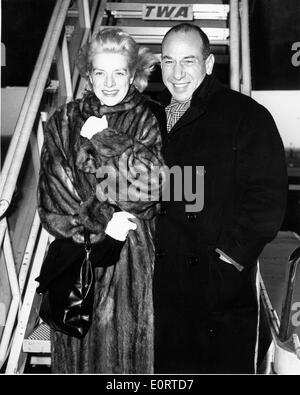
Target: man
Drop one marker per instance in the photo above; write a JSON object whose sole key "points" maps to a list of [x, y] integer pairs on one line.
{"points": [[205, 296]]}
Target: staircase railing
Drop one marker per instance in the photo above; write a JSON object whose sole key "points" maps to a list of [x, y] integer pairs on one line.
{"points": [[15, 156], [286, 326], [246, 85], [29, 129]]}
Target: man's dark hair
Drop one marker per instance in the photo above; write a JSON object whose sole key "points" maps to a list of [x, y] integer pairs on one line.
{"points": [[188, 27]]}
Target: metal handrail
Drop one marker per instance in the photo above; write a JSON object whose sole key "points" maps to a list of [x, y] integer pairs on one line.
{"points": [[19, 152], [86, 22], [15, 302], [272, 316], [28, 300], [287, 302], [29, 250], [100, 15], [26, 103], [245, 48], [234, 46]]}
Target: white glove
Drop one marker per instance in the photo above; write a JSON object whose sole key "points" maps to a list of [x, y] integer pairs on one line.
{"points": [[93, 125], [119, 226]]}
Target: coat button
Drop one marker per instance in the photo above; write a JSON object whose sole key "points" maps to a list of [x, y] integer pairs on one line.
{"points": [[191, 217], [193, 261], [160, 254]]}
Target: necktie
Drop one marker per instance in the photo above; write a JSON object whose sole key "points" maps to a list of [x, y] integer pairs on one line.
{"points": [[174, 112]]}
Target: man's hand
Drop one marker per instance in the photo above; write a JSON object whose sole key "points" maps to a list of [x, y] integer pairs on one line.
{"points": [[228, 260]]}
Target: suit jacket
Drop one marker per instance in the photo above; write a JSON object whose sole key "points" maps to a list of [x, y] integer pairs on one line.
{"points": [[245, 184]]}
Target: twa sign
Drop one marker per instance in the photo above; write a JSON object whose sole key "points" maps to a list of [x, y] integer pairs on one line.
{"points": [[172, 12]]}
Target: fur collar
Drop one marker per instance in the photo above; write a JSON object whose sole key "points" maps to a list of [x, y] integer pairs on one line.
{"points": [[91, 105]]}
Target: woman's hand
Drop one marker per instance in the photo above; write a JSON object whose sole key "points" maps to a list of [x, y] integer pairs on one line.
{"points": [[120, 224], [117, 228]]}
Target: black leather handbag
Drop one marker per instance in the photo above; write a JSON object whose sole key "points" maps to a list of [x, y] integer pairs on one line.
{"points": [[67, 282], [67, 304]]}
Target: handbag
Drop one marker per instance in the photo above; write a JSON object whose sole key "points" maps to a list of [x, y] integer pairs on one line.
{"points": [[67, 282], [67, 302]]}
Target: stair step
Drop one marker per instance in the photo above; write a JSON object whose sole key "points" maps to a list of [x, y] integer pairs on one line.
{"points": [[155, 34], [38, 341], [200, 11], [40, 360]]}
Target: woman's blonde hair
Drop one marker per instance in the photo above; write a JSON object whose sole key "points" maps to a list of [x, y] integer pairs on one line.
{"points": [[141, 60]]}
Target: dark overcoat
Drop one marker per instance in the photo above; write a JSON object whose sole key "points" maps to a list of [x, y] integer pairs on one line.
{"points": [[206, 309]]}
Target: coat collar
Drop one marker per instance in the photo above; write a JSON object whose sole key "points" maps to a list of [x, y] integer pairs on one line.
{"points": [[209, 86]]}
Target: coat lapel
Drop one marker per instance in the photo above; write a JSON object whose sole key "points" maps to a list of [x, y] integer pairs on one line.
{"points": [[189, 116], [199, 103]]}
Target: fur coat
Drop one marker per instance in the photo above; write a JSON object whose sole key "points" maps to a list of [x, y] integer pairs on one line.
{"points": [[120, 339]]}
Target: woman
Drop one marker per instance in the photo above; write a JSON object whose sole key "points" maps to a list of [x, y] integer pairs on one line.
{"points": [[115, 126]]}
